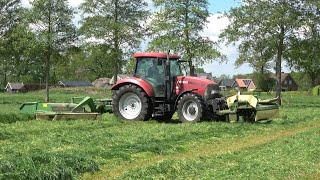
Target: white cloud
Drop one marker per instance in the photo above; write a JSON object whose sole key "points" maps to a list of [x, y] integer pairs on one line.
{"points": [[217, 23]]}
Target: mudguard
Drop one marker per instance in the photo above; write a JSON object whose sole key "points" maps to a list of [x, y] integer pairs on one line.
{"points": [[147, 87]]}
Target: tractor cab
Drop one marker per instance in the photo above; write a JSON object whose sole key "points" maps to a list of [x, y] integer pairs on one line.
{"points": [[158, 69]]}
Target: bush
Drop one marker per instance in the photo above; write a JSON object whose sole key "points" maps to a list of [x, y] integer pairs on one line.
{"points": [[316, 91]]}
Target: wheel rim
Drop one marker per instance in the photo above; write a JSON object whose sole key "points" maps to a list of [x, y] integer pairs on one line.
{"points": [[190, 110], [130, 106]]}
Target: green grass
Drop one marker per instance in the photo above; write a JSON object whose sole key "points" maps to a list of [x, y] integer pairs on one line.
{"points": [[283, 158], [286, 148]]}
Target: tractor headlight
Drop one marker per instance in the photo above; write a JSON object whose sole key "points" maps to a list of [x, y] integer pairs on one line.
{"points": [[215, 92]]}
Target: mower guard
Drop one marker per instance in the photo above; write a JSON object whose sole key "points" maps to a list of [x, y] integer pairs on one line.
{"points": [[251, 108]]}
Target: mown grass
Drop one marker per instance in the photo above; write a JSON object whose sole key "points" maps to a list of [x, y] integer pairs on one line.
{"points": [[110, 148], [290, 157]]}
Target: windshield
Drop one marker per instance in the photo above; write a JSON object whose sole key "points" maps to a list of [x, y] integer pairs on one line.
{"points": [[149, 68], [154, 68]]}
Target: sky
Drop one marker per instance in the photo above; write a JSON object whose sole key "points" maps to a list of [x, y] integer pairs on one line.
{"points": [[214, 27]]}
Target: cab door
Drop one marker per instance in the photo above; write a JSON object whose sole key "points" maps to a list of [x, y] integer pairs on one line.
{"points": [[152, 71]]}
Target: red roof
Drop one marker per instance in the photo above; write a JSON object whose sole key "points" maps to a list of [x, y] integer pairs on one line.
{"points": [[154, 55], [240, 83], [245, 83]]}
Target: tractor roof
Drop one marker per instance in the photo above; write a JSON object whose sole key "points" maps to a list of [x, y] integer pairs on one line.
{"points": [[154, 55]]}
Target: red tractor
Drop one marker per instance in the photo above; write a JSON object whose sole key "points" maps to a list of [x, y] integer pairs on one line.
{"points": [[158, 89]]}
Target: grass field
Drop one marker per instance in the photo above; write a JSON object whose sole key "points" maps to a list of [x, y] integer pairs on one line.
{"points": [[286, 148]]}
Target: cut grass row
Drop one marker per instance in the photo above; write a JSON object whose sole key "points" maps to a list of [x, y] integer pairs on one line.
{"points": [[289, 157], [203, 149]]}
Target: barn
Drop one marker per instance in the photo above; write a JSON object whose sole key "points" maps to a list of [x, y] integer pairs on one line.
{"points": [[15, 87]]}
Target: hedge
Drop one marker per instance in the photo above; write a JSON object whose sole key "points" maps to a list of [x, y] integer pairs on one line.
{"points": [[316, 91]]}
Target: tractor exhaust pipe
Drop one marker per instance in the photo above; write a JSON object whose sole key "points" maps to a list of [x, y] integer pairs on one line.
{"points": [[168, 77]]}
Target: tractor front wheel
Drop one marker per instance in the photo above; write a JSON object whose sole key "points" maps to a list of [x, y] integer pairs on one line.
{"points": [[130, 103], [190, 108]]}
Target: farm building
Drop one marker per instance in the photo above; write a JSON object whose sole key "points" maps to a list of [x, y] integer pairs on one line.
{"points": [[287, 82], [15, 87], [226, 84], [74, 84], [101, 83], [244, 84]]}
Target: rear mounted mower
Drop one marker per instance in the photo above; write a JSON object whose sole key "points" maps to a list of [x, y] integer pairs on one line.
{"points": [[86, 108]]}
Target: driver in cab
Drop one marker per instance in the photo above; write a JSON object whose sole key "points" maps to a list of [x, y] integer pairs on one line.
{"points": [[154, 72]]}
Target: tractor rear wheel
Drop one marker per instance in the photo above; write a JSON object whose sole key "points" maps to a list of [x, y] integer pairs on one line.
{"points": [[131, 103], [190, 108]]}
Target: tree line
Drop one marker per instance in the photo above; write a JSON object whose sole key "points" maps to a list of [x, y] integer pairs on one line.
{"points": [[42, 44]]}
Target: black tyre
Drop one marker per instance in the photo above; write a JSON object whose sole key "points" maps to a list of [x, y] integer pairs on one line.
{"points": [[190, 108], [131, 103]]}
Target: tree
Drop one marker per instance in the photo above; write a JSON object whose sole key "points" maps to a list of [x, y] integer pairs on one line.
{"points": [[200, 70], [9, 17], [22, 55], [177, 26], [263, 82], [96, 60], [117, 24], [52, 21], [257, 55], [72, 65], [270, 23], [130, 66], [303, 81], [304, 51]]}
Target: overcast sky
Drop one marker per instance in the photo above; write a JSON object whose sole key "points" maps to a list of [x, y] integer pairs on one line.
{"points": [[213, 29]]}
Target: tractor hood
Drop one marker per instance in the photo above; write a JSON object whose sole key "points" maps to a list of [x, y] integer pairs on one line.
{"points": [[196, 84], [196, 80]]}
